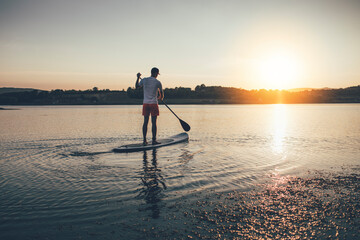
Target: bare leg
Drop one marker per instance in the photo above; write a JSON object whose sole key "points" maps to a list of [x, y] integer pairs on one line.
{"points": [[146, 121], [154, 128]]}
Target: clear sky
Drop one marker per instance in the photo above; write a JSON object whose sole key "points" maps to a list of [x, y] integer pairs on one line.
{"points": [[79, 44]]}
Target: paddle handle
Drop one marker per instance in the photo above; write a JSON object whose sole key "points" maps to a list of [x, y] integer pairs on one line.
{"points": [[170, 109]]}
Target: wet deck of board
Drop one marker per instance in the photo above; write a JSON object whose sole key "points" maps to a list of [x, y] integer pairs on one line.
{"points": [[134, 145]]}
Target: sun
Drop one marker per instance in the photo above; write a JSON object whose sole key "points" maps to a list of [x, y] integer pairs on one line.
{"points": [[278, 70]]}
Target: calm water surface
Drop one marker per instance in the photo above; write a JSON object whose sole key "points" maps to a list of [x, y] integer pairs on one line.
{"points": [[59, 178]]}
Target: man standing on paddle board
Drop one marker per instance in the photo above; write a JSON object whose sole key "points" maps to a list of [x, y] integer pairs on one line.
{"points": [[152, 92]]}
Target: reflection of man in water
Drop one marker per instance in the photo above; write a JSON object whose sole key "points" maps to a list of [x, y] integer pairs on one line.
{"points": [[152, 92], [153, 184]]}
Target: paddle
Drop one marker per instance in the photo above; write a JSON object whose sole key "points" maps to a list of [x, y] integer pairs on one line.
{"points": [[184, 125]]}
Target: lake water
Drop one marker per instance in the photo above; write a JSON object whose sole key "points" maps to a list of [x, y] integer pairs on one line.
{"points": [[59, 178]]}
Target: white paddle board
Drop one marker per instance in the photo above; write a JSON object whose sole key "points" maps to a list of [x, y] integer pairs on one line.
{"points": [[182, 137]]}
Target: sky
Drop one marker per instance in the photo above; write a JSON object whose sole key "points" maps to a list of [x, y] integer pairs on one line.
{"points": [[257, 44]]}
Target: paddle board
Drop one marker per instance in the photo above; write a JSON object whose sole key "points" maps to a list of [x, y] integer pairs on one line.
{"points": [[182, 137]]}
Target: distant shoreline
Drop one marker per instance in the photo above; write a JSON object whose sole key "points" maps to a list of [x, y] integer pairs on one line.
{"points": [[160, 104], [199, 96]]}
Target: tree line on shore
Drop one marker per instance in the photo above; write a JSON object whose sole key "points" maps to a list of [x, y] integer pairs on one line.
{"points": [[179, 95]]}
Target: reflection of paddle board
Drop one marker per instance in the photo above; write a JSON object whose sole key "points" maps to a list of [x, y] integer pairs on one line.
{"points": [[182, 137]]}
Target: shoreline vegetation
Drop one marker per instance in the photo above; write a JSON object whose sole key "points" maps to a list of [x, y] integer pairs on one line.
{"points": [[200, 95]]}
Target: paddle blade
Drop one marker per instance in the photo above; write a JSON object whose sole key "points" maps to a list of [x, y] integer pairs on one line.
{"points": [[185, 126]]}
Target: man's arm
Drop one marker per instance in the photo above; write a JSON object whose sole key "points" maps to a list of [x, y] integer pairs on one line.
{"points": [[137, 85], [161, 93]]}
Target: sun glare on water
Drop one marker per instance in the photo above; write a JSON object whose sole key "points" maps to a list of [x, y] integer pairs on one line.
{"points": [[278, 70]]}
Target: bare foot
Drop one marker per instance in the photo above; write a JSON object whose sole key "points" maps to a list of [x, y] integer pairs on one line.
{"points": [[145, 143], [154, 142]]}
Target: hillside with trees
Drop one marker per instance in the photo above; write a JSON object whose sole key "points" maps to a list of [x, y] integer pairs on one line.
{"points": [[200, 95]]}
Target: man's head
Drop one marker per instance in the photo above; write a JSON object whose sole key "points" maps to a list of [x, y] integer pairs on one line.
{"points": [[154, 72]]}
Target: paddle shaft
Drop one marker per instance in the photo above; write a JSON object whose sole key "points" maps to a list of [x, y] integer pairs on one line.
{"points": [[170, 109], [184, 125]]}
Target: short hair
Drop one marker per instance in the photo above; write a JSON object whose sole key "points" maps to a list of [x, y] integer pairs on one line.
{"points": [[154, 71]]}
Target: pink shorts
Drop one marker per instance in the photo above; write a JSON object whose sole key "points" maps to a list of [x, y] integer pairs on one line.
{"points": [[148, 109]]}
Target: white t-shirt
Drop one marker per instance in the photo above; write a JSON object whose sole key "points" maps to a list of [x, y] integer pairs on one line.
{"points": [[151, 86]]}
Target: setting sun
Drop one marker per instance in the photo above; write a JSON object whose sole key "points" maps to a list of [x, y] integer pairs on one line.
{"points": [[278, 70]]}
